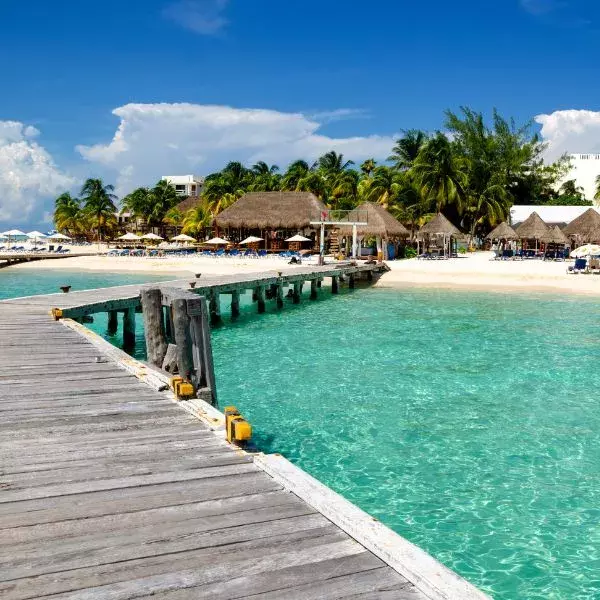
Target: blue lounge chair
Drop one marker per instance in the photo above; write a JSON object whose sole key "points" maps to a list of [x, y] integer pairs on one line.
{"points": [[580, 266]]}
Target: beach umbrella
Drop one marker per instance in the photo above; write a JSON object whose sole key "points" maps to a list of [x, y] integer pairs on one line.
{"points": [[298, 238], [183, 238], [217, 241], [251, 240], [129, 237], [58, 236], [35, 235], [586, 250], [14, 233], [152, 236]]}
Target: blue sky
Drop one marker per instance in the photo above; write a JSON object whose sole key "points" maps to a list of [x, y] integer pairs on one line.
{"points": [[349, 71]]}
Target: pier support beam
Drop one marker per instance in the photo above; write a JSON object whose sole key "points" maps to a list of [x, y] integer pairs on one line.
{"points": [[334, 285], [313, 289], [235, 304], [215, 308], [279, 295], [351, 281], [319, 283], [260, 298], [297, 291], [369, 275], [154, 326], [113, 322], [169, 324], [181, 330], [129, 328]]}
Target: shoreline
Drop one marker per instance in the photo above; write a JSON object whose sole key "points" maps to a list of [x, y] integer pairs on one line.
{"points": [[472, 272]]}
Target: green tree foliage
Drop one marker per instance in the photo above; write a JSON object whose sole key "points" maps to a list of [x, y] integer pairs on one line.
{"points": [[473, 172]]}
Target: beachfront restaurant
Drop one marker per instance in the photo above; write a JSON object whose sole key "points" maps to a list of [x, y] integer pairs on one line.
{"points": [[274, 217]]}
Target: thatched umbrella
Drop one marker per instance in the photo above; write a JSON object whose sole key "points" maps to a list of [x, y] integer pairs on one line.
{"points": [[502, 232], [439, 225], [532, 228], [555, 236], [585, 228], [380, 223]]}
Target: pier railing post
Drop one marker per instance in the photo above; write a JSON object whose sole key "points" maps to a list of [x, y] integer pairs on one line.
{"points": [[154, 327]]}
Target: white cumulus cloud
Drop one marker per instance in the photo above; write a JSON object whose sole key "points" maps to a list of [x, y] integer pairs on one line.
{"points": [[201, 16], [571, 131], [28, 176], [166, 139]]}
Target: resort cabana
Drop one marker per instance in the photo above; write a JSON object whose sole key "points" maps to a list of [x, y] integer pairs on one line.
{"points": [[438, 227], [503, 232], [584, 229], [272, 216], [554, 237], [381, 225], [532, 229]]}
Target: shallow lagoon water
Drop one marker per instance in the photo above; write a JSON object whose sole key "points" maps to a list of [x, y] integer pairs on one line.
{"points": [[467, 422]]}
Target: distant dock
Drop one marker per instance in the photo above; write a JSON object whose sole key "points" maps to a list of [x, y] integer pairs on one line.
{"points": [[109, 488], [8, 259]]}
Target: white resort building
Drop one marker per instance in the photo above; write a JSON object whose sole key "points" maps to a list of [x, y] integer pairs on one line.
{"points": [[185, 185], [584, 170]]}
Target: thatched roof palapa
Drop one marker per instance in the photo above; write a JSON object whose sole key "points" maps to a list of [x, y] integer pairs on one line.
{"points": [[532, 228], [379, 221], [189, 203], [502, 232], [272, 210], [586, 227], [555, 236], [439, 225]]}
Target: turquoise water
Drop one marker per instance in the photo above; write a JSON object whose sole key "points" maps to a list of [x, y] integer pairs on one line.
{"points": [[467, 422], [15, 283]]}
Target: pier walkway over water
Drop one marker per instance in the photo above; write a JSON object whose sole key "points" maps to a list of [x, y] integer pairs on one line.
{"points": [[109, 489]]}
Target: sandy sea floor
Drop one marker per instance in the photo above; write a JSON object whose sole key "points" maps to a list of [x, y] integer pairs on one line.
{"points": [[476, 271]]}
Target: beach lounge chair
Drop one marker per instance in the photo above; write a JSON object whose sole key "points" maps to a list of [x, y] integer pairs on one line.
{"points": [[580, 266], [262, 253]]}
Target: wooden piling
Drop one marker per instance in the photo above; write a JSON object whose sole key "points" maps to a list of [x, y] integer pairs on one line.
{"points": [[334, 285], [215, 307], [181, 330], [260, 298], [351, 281], [169, 324], [297, 291], [313, 289], [235, 304], [209, 369], [279, 295], [113, 322], [129, 328], [154, 325]]}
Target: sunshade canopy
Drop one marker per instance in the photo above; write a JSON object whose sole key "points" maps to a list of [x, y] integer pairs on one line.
{"points": [[35, 235], [152, 236], [129, 237], [298, 238], [59, 236], [13, 232], [586, 250], [217, 241], [182, 237], [252, 239]]}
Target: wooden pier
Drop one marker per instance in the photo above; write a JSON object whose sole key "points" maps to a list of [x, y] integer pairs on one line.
{"points": [[109, 489]]}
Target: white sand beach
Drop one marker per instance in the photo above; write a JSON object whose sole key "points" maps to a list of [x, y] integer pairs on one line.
{"points": [[473, 271]]}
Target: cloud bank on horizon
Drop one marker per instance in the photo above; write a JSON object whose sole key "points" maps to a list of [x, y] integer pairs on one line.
{"points": [[152, 140]]}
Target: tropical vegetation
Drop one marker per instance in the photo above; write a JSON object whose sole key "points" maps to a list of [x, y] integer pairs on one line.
{"points": [[473, 172]]}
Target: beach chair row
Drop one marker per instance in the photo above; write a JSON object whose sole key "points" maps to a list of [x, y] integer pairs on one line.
{"points": [[37, 250], [559, 255]]}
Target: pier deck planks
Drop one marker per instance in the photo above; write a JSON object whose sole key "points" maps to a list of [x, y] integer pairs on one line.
{"points": [[109, 490]]}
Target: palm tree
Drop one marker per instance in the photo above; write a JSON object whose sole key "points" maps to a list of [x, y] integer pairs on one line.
{"points": [[162, 198], [441, 173], [297, 171], [491, 206], [332, 163], [67, 213], [407, 148], [266, 179], [98, 200], [197, 219], [344, 192], [138, 203], [597, 194], [385, 186], [368, 166]]}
